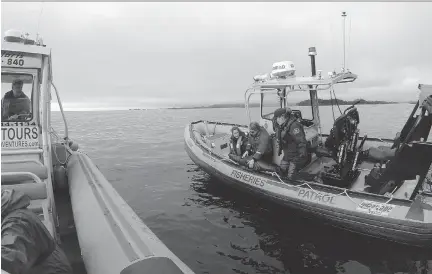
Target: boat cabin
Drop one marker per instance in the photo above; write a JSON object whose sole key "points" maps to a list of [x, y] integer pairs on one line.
{"points": [[278, 87], [336, 158], [25, 124]]}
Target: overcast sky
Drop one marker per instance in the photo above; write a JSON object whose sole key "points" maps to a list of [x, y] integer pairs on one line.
{"points": [[162, 54]]}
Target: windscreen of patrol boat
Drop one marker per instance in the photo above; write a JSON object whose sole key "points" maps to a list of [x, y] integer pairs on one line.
{"points": [[295, 101]]}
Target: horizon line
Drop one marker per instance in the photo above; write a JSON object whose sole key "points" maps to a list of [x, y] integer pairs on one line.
{"points": [[174, 108]]}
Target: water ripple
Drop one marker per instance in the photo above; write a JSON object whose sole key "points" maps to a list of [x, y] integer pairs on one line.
{"points": [[216, 229]]}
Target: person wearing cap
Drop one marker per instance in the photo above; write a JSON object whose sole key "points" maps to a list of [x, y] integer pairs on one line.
{"points": [[292, 140], [259, 149], [26, 244], [15, 102]]}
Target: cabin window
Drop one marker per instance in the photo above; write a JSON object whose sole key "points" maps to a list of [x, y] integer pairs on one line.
{"points": [[300, 101], [17, 94], [269, 103]]}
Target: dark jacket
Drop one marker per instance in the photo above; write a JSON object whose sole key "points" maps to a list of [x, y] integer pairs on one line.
{"points": [[12, 105], [238, 145], [260, 145], [26, 244], [292, 140]]}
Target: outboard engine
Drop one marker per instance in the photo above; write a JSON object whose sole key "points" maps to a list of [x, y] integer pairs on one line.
{"points": [[342, 144]]}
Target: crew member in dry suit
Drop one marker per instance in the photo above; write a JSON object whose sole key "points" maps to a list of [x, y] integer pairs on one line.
{"points": [[238, 141], [258, 154], [292, 140], [26, 244]]}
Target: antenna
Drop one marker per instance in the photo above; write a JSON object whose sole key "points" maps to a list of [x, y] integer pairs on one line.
{"points": [[39, 20], [349, 43], [344, 17]]}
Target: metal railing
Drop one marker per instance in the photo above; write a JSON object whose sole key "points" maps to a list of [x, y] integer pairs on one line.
{"points": [[11, 175]]}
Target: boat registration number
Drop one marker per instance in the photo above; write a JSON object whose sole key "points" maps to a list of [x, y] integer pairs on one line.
{"points": [[21, 60], [374, 208]]}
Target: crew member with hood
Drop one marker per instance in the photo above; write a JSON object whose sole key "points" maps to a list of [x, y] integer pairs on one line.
{"points": [[26, 244], [238, 141], [258, 154], [292, 140]]}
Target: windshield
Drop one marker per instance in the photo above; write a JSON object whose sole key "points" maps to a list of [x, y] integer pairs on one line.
{"points": [[16, 104], [299, 102], [270, 102]]}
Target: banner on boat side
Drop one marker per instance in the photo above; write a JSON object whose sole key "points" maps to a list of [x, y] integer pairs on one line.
{"points": [[20, 60], [375, 208], [19, 137], [248, 178], [311, 195]]}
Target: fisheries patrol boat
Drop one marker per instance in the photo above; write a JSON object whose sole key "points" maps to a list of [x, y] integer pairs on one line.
{"points": [[338, 186], [96, 228]]}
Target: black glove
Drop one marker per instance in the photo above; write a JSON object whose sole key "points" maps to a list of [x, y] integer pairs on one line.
{"points": [[364, 154]]}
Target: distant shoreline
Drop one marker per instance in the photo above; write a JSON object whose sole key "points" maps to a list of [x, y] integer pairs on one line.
{"points": [[234, 105], [322, 102], [329, 102]]}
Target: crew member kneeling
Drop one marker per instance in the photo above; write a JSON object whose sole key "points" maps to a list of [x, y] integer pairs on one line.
{"points": [[258, 154], [292, 140]]}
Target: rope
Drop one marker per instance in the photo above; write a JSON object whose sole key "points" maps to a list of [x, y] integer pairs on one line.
{"points": [[40, 16], [229, 160], [58, 139], [346, 193], [316, 193]]}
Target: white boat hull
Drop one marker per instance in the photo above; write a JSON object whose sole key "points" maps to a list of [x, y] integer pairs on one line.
{"points": [[113, 239]]}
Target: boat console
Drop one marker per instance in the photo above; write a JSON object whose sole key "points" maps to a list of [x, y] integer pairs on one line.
{"points": [[341, 145], [297, 114]]}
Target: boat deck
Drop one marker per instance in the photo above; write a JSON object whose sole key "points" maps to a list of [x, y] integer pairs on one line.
{"points": [[220, 143]]}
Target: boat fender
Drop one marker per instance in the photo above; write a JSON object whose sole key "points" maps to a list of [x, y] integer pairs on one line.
{"points": [[60, 177], [73, 146]]}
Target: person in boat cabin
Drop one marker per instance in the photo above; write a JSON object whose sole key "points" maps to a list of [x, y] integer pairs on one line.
{"points": [[292, 140], [238, 141], [26, 244], [259, 150], [15, 102]]}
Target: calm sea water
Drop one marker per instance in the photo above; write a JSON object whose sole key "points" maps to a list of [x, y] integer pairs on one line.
{"points": [[214, 228]]}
